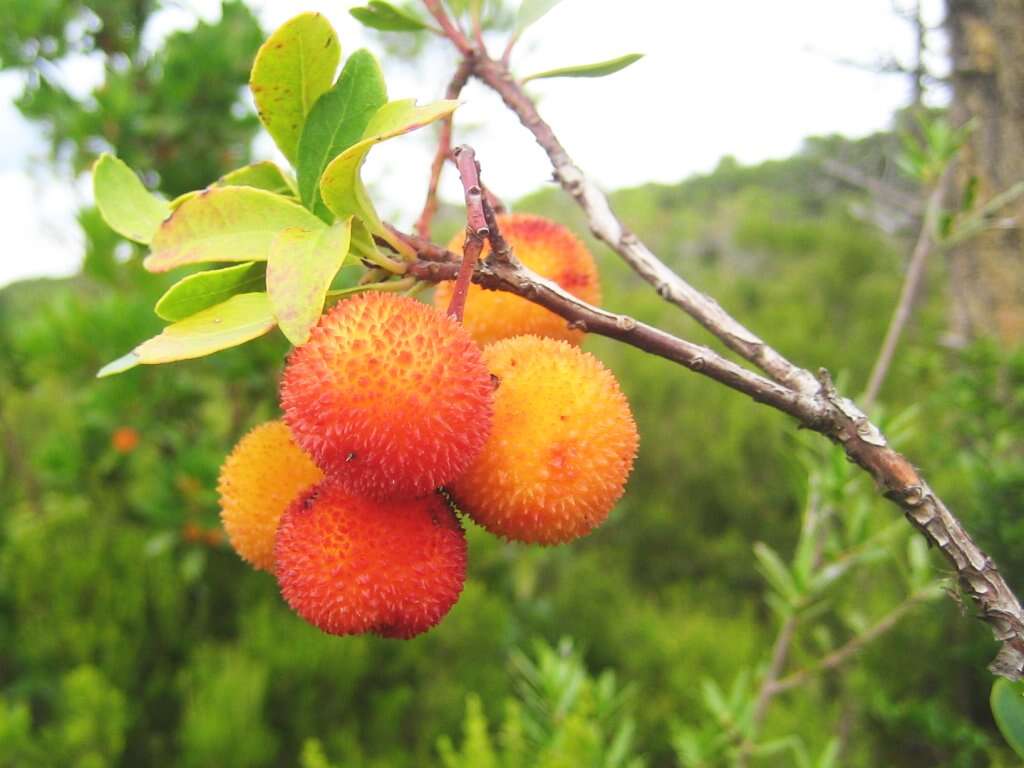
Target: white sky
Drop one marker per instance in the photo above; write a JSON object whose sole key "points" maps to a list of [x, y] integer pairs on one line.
{"points": [[741, 77]]}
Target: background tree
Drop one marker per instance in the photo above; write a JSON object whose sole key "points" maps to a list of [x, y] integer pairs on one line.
{"points": [[129, 635], [987, 47]]}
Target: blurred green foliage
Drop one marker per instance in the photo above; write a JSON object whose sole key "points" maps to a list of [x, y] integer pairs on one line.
{"points": [[130, 635]]}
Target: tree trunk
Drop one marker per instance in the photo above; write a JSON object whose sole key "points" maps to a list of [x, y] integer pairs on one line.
{"points": [[987, 46]]}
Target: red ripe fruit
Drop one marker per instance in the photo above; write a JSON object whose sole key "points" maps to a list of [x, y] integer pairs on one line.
{"points": [[350, 565], [389, 396]]}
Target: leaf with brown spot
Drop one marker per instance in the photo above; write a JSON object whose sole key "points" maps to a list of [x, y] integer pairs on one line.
{"points": [[292, 69], [301, 265]]}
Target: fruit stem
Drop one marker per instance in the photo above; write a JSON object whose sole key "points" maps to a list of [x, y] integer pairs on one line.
{"points": [[476, 227]]}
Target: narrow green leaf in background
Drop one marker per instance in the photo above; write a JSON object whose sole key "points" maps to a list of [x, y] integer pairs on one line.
{"points": [[300, 269], [264, 175], [124, 202], [338, 120], [207, 289], [1008, 708], [340, 185], [387, 17], [531, 11], [597, 69], [239, 319], [292, 68], [225, 224]]}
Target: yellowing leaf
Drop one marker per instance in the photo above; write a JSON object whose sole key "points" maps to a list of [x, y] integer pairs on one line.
{"points": [[124, 203], [207, 289], [597, 69], [340, 185], [300, 269], [263, 175], [236, 321], [225, 224], [531, 11], [292, 68], [377, 14]]}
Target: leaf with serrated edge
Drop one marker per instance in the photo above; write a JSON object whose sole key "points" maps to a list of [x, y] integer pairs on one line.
{"points": [[292, 68], [124, 202], [225, 224], [597, 69], [263, 175], [241, 318], [340, 186], [338, 120], [531, 11], [386, 17], [300, 269], [207, 289]]}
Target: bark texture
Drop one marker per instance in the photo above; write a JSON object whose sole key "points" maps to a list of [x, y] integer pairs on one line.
{"points": [[987, 46]]}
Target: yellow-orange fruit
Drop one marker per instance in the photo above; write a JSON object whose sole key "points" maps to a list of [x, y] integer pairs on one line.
{"points": [[550, 250], [561, 447], [264, 472], [389, 396], [348, 564]]}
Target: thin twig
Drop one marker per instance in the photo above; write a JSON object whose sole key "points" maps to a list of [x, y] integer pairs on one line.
{"points": [[450, 29], [606, 227], [825, 411], [911, 288], [476, 228], [793, 389], [851, 647], [444, 148], [780, 651]]}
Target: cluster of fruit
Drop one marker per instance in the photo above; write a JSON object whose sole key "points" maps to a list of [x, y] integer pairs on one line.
{"points": [[391, 401]]}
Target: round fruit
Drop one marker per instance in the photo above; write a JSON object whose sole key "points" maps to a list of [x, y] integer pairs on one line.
{"points": [[389, 396], [561, 446], [258, 480], [349, 565], [550, 250]]}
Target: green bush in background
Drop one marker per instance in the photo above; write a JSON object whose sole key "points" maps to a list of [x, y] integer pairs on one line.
{"points": [[129, 634]]}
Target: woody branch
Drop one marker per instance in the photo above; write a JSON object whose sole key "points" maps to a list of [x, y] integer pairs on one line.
{"points": [[812, 400]]}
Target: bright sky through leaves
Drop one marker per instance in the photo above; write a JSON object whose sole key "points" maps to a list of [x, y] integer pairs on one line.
{"points": [[734, 77]]}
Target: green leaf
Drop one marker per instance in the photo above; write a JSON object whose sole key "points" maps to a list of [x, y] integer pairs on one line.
{"points": [[225, 224], [377, 14], [236, 321], [363, 244], [207, 289], [531, 11], [265, 175], [338, 120], [300, 269], [597, 69], [776, 572], [1007, 702], [124, 202], [340, 185], [292, 68]]}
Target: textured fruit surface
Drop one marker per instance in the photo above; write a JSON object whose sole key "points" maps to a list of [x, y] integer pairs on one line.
{"points": [[550, 250], [348, 564], [264, 473], [388, 395], [561, 447]]}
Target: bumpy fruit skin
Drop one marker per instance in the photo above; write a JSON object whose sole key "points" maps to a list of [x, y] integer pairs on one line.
{"points": [[561, 447], [263, 474], [550, 250], [349, 565], [389, 396]]}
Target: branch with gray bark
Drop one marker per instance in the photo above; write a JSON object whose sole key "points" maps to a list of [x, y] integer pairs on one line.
{"points": [[810, 399]]}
